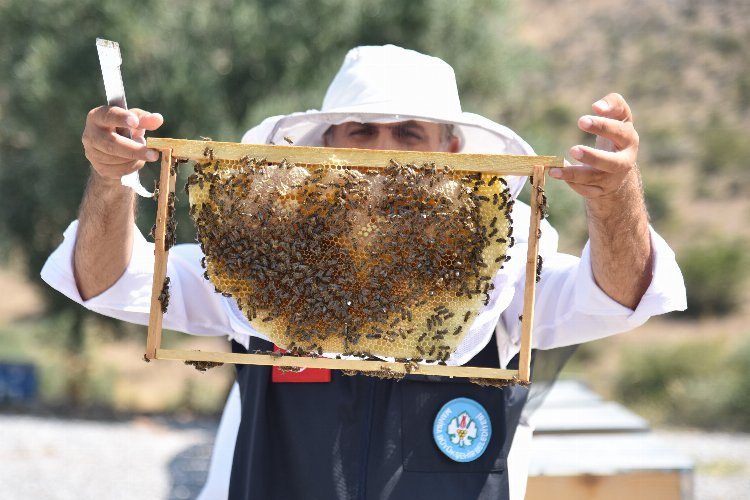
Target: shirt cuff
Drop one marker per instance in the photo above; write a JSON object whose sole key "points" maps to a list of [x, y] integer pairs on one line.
{"points": [[58, 272], [665, 293]]}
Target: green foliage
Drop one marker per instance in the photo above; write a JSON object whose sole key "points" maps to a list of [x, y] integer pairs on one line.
{"points": [[657, 195], [714, 276], [701, 384], [723, 149], [211, 68], [737, 377], [650, 375], [662, 146]]}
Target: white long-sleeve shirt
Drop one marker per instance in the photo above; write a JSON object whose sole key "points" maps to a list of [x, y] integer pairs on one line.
{"points": [[570, 307]]}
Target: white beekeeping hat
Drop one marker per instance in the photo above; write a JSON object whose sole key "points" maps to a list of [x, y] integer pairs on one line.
{"points": [[391, 84]]}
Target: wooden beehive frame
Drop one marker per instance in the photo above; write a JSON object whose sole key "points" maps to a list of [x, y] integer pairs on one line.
{"points": [[173, 150]]}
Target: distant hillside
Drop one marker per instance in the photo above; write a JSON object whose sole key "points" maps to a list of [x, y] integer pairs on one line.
{"points": [[683, 65]]}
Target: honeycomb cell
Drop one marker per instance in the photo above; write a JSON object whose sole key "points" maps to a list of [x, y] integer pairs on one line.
{"points": [[393, 262]]}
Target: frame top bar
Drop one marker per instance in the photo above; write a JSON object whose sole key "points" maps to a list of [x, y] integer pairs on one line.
{"points": [[367, 158]]}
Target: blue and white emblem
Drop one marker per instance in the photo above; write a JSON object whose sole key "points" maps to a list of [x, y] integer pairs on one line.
{"points": [[462, 429]]}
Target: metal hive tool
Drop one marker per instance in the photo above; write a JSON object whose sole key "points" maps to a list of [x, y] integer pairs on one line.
{"points": [[366, 254]]}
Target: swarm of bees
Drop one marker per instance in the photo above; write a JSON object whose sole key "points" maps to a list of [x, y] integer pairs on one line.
{"points": [[340, 259], [164, 295], [202, 366], [383, 372], [498, 383]]}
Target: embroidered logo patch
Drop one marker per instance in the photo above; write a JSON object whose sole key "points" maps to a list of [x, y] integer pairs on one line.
{"points": [[462, 429]]}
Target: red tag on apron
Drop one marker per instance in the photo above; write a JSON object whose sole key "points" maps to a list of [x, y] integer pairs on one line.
{"points": [[304, 375]]}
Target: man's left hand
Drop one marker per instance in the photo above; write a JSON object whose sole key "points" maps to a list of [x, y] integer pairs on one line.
{"points": [[608, 166], [609, 180]]}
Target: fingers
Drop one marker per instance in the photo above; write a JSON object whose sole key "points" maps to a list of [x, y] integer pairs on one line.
{"points": [[605, 166], [121, 148], [606, 161], [102, 165], [111, 154], [621, 134], [579, 174], [112, 117], [587, 191], [613, 106], [147, 120], [588, 181]]}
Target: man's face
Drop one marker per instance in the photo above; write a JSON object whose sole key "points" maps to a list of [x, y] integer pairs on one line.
{"points": [[411, 135]]}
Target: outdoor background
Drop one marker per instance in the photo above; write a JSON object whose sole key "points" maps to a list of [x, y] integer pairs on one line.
{"points": [[217, 68]]}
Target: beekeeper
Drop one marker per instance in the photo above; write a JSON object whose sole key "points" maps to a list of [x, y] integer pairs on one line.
{"points": [[327, 435]]}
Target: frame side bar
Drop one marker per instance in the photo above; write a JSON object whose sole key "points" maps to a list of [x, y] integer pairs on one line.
{"points": [[166, 186], [537, 192]]}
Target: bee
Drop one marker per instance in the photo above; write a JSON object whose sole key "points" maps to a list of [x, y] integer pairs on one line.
{"points": [[205, 138], [289, 140], [164, 295], [466, 316], [539, 262]]}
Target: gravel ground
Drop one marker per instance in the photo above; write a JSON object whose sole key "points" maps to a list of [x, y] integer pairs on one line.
{"points": [[150, 458], [46, 458], [722, 462]]}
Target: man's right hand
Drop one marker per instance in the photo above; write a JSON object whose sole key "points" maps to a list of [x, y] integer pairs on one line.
{"points": [[112, 155], [107, 216]]}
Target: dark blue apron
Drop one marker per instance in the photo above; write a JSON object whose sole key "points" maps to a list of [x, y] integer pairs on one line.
{"points": [[360, 437]]}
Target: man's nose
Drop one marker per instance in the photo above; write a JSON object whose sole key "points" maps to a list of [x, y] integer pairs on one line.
{"points": [[386, 140]]}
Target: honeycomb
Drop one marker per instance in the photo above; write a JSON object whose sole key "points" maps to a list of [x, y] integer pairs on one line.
{"points": [[389, 262]]}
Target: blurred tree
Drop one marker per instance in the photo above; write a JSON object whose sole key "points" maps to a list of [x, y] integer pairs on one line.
{"points": [[211, 68], [715, 275]]}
